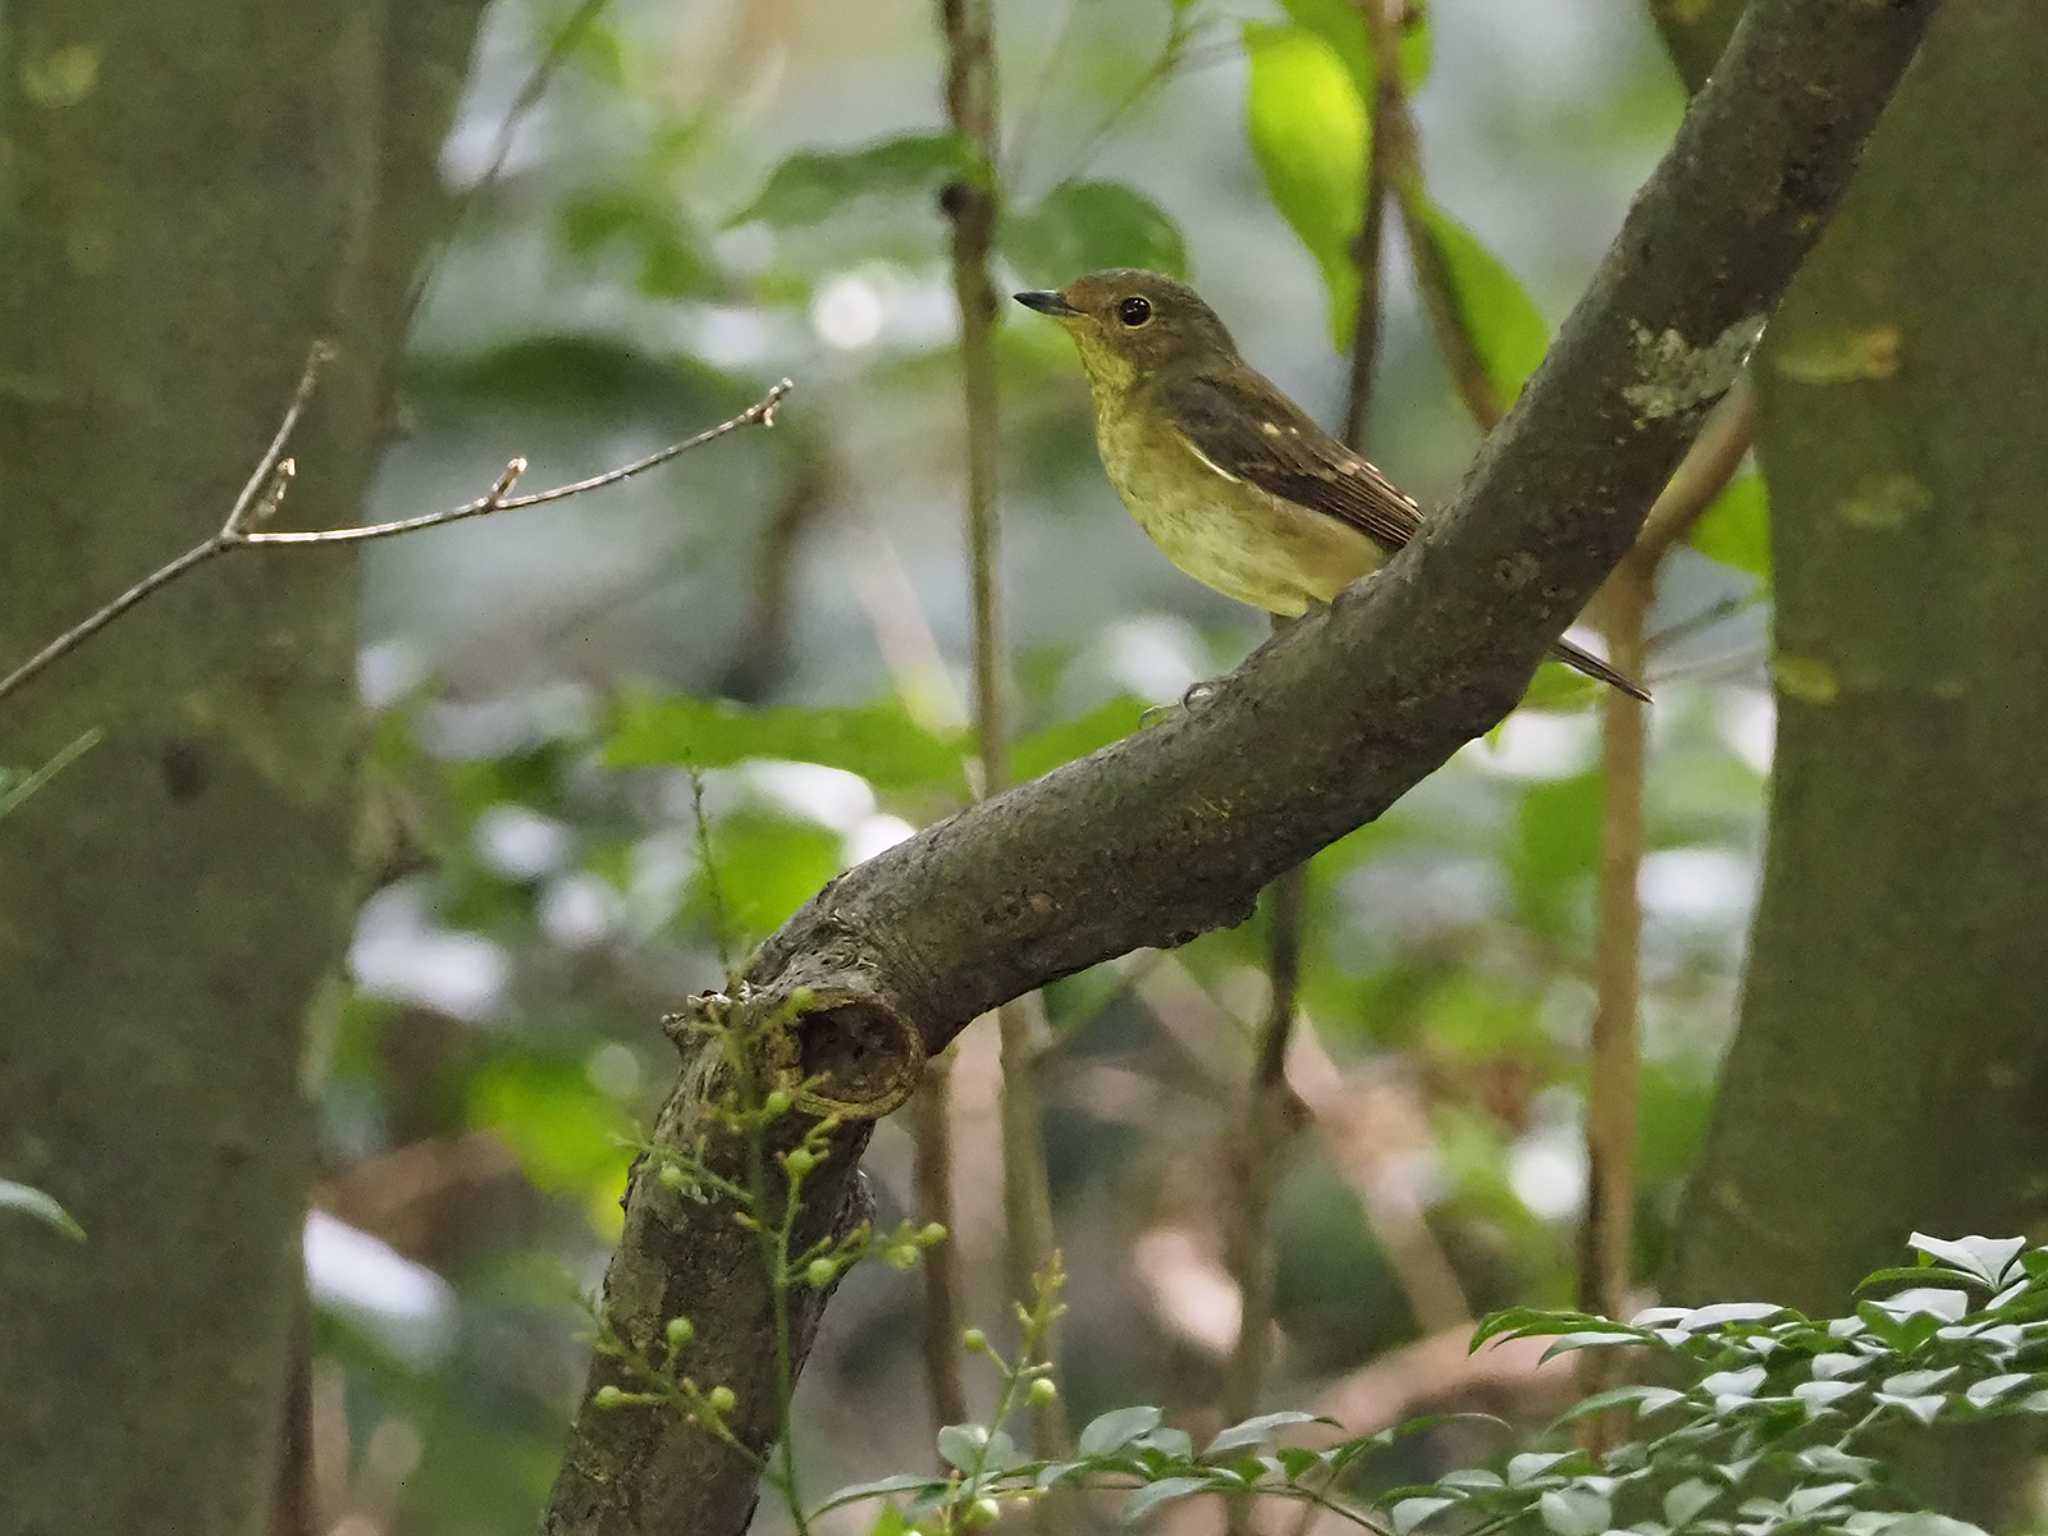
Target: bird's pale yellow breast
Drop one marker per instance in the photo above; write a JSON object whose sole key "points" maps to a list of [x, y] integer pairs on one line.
{"points": [[1223, 531]]}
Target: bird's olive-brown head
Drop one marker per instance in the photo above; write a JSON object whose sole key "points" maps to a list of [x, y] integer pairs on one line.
{"points": [[1129, 324]]}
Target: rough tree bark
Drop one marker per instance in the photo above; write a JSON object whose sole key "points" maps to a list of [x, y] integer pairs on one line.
{"points": [[197, 189], [1891, 1068], [1175, 830]]}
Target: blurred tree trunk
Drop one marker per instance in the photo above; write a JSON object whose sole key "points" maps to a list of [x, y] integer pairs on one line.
{"points": [[1891, 1069], [193, 191]]}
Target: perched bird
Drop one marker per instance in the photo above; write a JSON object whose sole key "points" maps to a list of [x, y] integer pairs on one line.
{"points": [[1230, 478]]}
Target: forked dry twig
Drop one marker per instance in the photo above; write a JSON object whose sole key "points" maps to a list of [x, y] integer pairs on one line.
{"points": [[273, 475]]}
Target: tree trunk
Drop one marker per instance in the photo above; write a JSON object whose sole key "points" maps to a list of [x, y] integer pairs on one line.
{"points": [[1891, 1069], [195, 191]]}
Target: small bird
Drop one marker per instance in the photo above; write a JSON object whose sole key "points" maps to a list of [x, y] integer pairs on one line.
{"points": [[1231, 479]]}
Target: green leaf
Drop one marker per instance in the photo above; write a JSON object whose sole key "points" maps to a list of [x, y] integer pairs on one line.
{"points": [[1743, 1383], [1259, 1430], [1472, 1480], [1988, 1260], [962, 1445], [1083, 226], [1168, 1445], [811, 186], [1736, 527], [1530, 1465], [1982, 1394], [1409, 1513], [30, 1201], [1148, 1498], [1722, 1313], [1310, 134], [1042, 751], [1116, 1429], [1298, 1461], [1341, 24], [1829, 1459], [881, 742], [672, 262], [1929, 1524], [1504, 323], [1920, 1383], [1687, 1499], [1802, 1502], [1642, 1399], [881, 1487], [563, 1130], [1925, 1409], [766, 867], [1575, 1511], [1559, 688]]}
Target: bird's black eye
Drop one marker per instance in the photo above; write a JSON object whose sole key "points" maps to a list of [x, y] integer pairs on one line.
{"points": [[1134, 311]]}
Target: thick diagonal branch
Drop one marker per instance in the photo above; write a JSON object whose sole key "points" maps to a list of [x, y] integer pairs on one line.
{"points": [[1173, 831]]}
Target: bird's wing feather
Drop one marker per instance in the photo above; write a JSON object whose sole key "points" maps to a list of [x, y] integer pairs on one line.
{"points": [[1243, 426]]}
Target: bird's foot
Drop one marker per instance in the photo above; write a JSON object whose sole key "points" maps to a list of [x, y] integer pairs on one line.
{"points": [[1197, 695]]}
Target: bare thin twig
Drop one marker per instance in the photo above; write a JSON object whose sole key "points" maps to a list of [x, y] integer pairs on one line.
{"points": [[1272, 1112], [1607, 1243], [266, 487], [566, 37]]}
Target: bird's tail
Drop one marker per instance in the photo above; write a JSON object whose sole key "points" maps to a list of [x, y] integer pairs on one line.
{"points": [[1586, 662]]}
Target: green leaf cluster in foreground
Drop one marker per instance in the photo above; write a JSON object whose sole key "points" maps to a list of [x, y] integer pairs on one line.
{"points": [[1762, 1420]]}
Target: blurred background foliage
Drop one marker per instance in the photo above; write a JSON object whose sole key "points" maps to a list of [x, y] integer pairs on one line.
{"points": [[667, 207]]}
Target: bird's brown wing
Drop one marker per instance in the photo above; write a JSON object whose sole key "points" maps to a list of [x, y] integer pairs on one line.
{"points": [[1240, 422]]}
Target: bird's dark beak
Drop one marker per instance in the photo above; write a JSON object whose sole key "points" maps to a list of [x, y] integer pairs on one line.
{"points": [[1046, 301]]}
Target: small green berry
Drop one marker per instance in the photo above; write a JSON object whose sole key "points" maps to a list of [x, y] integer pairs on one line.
{"points": [[932, 1233], [1043, 1391], [722, 1399], [974, 1341], [820, 1273], [680, 1332], [900, 1256], [777, 1103], [800, 1162], [983, 1512], [673, 1178], [609, 1397]]}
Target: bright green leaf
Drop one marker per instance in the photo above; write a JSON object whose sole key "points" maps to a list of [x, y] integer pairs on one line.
{"points": [[881, 742], [1506, 327], [1736, 527], [813, 185], [1341, 24], [765, 867], [1083, 226], [562, 1128], [30, 1201], [1309, 131]]}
